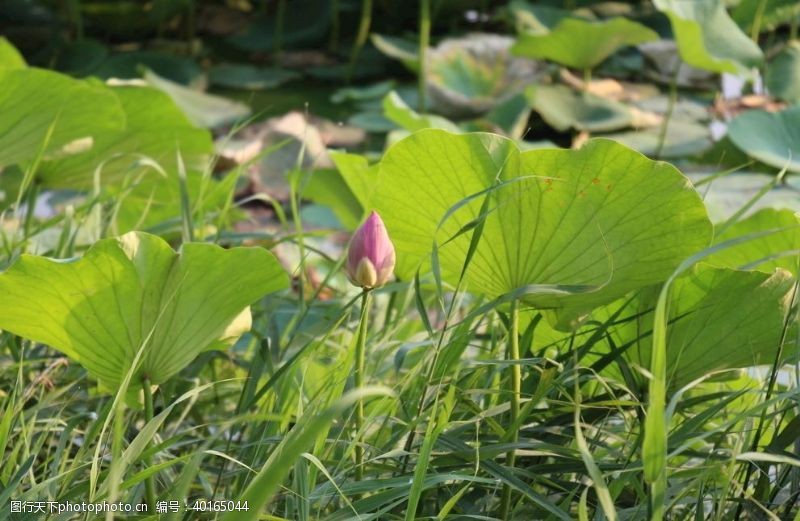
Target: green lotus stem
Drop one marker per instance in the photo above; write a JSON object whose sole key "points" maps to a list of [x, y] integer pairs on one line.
{"points": [[424, 42], [280, 18], [516, 388], [149, 484], [673, 98], [361, 36], [333, 43], [755, 29], [361, 341]]}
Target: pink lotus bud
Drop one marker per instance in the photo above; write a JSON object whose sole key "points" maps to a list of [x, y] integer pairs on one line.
{"points": [[370, 260]]}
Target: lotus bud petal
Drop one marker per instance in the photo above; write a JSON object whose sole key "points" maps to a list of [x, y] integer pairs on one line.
{"points": [[371, 257]]}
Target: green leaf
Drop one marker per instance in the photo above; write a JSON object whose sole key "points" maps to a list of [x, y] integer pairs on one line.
{"points": [[469, 76], [563, 108], [708, 38], [328, 188], [770, 137], [719, 318], [135, 291], [767, 252], [683, 138], [358, 174], [769, 13], [10, 58], [398, 48], [240, 76], [396, 110], [204, 110], [128, 65], [583, 44], [154, 202], [539, 19], [602, 217], [783, 74], [155, 129], [43, 111]]}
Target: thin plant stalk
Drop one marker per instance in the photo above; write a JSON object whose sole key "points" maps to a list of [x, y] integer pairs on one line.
{"points": [[361, 341], [280, 20], [424, 43], [516, 388], [333, 43], [755, 29], [361, 36], [673, 98], [149, 483]]}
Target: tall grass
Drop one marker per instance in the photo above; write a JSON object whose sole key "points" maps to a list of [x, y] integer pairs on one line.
{"points": [[568, 428]]}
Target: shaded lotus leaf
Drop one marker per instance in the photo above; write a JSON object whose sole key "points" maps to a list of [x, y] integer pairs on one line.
{"points": [[10, 57], [371, 121], [783, 74], [511, 116], [135, 293], [727, 195], [305, 25], [81, 57], [767, 252], [662, 59], [368, 93], [469, 76], [683, 138], [241, 76], [603, 217], [406, 51], [708, 38], [540, 19], [770, 137], [326, 187], [155, 128], [583, 44], [202, 109], [396, 111], [563, 108], [179, 69], [45, 111], [719, 319], [769, 13]]}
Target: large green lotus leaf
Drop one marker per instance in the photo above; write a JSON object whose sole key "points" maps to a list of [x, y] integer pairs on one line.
{"points": [[718, 319], [10, 58], [603, 216], [770, 137], [764, 253], [582, 44], [562, 108], [155, 128], [783, 73], [135, 290], [708, 38], [35, 103]]}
